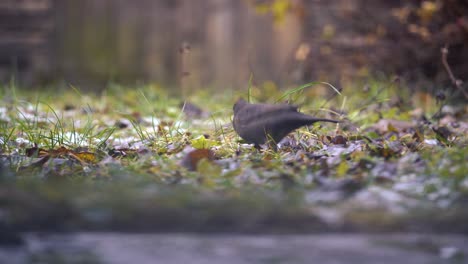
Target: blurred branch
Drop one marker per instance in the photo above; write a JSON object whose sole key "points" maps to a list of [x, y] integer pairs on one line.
{"points": [[456, 82]]}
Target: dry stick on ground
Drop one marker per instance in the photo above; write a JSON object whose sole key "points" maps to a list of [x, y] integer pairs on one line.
{"points": [[456, 82]]}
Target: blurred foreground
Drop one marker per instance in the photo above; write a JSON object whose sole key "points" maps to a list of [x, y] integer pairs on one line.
{"points": [[115, 248]]}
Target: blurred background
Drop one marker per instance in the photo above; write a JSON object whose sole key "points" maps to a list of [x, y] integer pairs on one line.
{"points": [[189, 44]]}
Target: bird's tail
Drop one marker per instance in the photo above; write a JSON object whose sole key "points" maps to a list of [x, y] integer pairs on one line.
{"points": [[313, 120]]}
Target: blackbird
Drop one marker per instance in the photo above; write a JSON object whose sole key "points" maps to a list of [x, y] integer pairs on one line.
{"points": [[262, 123]]}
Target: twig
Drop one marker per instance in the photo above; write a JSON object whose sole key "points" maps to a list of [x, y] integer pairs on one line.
{"points": [[184, 51], [456, 82]]}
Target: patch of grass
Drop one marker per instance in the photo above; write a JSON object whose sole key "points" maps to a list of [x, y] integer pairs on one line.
{"points": [[138, 141]]}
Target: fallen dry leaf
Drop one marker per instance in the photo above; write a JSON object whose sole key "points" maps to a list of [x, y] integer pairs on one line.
{"points": [[191, 159]]}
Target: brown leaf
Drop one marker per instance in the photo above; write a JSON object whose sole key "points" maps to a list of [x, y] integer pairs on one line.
{"points": [[339, 140], [191, 160], [40, 152], [61, 151], [418, 136]]}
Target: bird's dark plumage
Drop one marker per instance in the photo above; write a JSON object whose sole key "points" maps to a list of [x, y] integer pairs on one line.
{"points": [[260, 123]]}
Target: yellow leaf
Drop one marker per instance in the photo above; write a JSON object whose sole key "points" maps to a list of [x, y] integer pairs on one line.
{"points": [[427, 10], [208, 168], [328, 31], [342, 169], [86, 156], [391, 128], [203, 143], [209, 172], [279, 10]]}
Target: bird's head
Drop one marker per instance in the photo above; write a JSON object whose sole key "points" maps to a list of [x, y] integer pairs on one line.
{"points": [[239, 104]]}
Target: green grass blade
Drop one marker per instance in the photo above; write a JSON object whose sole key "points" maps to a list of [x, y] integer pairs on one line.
{"points": [[302, 87], [249, 88]]}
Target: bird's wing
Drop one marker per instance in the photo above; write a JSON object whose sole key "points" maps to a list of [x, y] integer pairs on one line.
{"points": [[258, 112]]}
